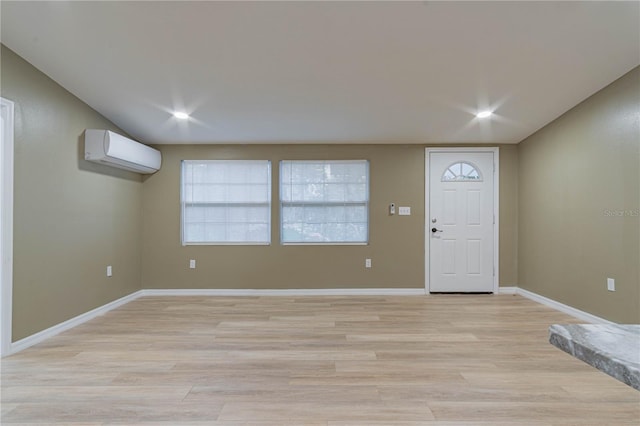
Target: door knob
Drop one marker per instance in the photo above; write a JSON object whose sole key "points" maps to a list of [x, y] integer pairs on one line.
{"points": [[434, 230]]}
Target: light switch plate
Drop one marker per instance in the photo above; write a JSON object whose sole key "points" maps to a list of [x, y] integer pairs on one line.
{"points": [[404, 211], [109, 271], [192, 263], [611, 284]]}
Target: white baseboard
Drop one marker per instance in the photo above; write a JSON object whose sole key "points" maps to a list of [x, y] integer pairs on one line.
{"points": [[577, 313], [287, 292], [29, 341], [34, 339], [73, 322]]}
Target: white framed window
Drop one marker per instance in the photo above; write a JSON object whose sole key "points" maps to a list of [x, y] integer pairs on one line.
{"points": [[324, 202], [226, 202]]}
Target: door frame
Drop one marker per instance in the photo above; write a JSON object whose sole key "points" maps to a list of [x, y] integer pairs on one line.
{"points": [[496, 209], [6, 222]]}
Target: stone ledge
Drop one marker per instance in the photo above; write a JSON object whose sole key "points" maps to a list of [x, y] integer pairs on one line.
{"points": [[611, 348]]}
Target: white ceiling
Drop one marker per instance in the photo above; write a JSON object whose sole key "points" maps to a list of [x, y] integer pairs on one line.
{"points": [[328, 72]]}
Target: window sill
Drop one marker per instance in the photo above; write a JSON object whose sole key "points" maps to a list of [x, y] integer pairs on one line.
{"points": [[324, 244], [225, 244]]}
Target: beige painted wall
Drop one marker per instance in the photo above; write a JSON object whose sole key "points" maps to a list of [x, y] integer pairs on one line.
{"points": [[568, 215], [509, 215], [578, 205], [71, 218], [396, 242]]}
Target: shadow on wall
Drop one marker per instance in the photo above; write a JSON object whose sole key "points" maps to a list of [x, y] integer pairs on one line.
{"points": [[90, 166]]}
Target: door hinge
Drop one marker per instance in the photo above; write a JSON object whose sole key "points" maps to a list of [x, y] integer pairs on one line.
{"points": [[494, 218]]}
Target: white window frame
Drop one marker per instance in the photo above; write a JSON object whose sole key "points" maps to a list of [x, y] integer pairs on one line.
{"points": [[327, 243], [225, 243]]}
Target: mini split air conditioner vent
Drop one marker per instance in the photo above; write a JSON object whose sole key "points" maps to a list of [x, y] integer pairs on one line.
{"points": [[112, 149]]}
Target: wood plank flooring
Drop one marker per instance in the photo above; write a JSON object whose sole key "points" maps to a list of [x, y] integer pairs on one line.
{"points": [[327, 361]]}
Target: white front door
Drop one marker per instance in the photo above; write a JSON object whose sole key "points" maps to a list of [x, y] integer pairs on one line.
{"points": [[461, 220]]}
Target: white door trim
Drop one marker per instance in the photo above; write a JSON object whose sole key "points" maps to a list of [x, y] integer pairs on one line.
{"points": [[496, 209], [6, 219]]}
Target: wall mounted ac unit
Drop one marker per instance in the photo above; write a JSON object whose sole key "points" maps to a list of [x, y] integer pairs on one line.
{"points": [[112, 149]]}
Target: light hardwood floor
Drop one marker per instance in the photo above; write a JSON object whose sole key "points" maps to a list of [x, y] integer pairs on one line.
{"points": [[331, 361]]}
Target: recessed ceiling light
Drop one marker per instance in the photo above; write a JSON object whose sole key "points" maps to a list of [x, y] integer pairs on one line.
{"points": [[484, 114], [181, 115]]}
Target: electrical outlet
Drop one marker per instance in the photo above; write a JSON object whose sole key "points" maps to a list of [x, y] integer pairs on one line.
{"points": [[109, 271], [611, 284], [367, 263], [192, 263]]}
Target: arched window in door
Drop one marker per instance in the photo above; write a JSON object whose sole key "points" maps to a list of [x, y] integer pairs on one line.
{"points": [[461, 171]]}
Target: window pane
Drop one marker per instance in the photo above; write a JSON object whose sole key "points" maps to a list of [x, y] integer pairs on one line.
{"points": [[324, 201], [226, 202], [335, 192], [461, 172]]}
